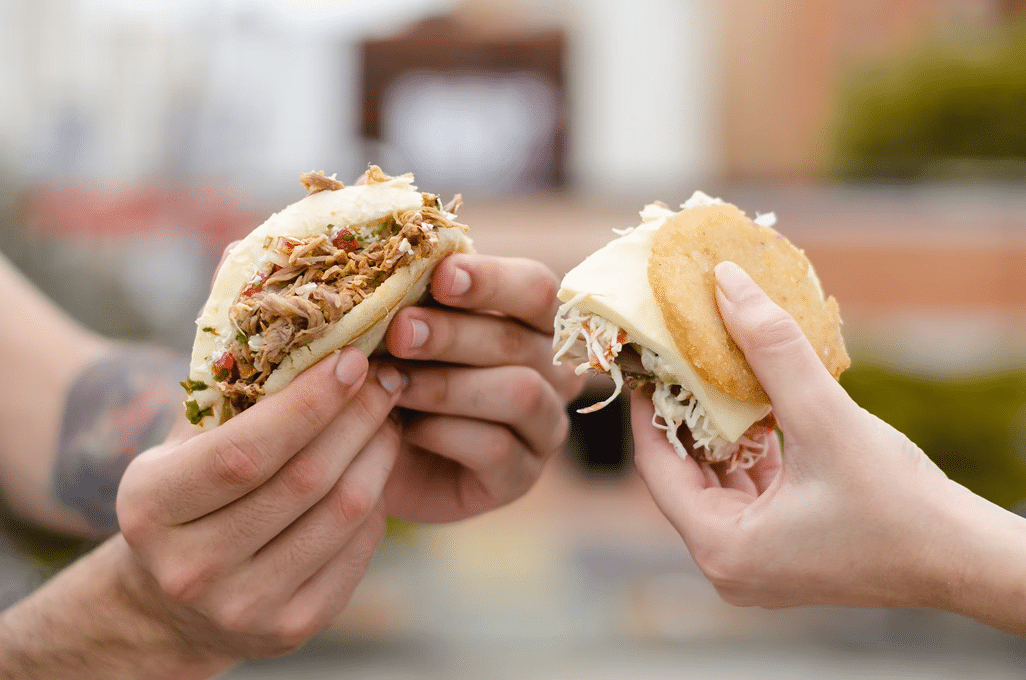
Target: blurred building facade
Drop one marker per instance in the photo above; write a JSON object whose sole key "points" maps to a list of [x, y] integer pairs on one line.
{"points": [[250, 91], [786, 61], [659, 92], [111, 103], [171, 126]]}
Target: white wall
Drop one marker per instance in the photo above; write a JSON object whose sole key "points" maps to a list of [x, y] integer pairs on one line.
{"points": [[646, 92], [249, 91]]}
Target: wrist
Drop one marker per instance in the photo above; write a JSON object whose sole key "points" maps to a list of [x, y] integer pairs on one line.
{"points": [[936, 556], [912, 531], [977, 564], [99, 618], [138, 593]]}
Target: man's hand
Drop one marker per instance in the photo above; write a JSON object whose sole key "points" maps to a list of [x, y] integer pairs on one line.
{"points": [[251, 537], [486, 407], [847, 515]]}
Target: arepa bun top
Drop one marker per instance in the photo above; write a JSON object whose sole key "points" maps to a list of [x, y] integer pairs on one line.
{"points": [[680, 271], [363, 326]]}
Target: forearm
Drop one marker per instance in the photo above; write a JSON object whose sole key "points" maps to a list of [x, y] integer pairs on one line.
{"points": [[97, 619], [41, 355], [63, 471], [75, 409]]}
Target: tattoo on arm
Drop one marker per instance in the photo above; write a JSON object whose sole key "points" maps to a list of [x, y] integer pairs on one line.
{"points": [[118, 407]]}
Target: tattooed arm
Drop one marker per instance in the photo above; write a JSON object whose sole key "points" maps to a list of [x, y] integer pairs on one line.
{"points": [[238, 542], [119, 405], [74, 410]]}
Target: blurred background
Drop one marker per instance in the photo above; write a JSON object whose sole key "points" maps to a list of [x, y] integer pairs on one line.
{"points": [[138, 137]]}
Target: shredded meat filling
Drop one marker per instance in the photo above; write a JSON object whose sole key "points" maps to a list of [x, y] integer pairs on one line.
{"points": [[314, 287], [317, 181]]}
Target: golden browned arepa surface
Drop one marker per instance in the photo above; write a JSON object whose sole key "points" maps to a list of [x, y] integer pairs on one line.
{"points": [[680, 270]]}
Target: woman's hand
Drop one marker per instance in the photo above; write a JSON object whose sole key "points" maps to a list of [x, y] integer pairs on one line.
{"points": [[845, 514]]}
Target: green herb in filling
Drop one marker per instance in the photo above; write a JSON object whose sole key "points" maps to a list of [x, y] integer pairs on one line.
{"points": [[194, 385], [194, 414]]}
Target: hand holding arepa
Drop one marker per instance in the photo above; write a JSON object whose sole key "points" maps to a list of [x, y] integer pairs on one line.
{"points": [[841, 515], [250, 535], [359, 266], [485, 407], [249, 538], [721, 328]]}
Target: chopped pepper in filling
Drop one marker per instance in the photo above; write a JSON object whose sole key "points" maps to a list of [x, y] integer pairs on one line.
{"points": [[309, 284], [593, 343]]}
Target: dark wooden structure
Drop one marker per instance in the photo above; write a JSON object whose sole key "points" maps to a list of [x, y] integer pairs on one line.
{"points": [[450, 47]]}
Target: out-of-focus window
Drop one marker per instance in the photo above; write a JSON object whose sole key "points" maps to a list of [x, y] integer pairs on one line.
{"points": [[467, 109]]}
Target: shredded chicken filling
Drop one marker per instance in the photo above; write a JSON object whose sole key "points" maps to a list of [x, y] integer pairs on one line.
{"points": [[309, 284], [593, 343]]}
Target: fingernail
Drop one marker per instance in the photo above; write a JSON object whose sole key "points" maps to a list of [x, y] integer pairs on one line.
{"points": [[350, 367], [420, 332], [460, 282], [731, 279], [392, 379]]}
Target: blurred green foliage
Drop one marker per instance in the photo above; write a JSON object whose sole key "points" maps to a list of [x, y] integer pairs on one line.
{"points": [[943, 111], [974, 428]]}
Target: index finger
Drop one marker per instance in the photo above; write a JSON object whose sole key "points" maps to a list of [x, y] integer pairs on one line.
{"points": [[217, 467], [518, 287]]}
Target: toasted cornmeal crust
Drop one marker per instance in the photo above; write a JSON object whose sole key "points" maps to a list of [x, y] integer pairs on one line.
{"points": [[680, 270]]}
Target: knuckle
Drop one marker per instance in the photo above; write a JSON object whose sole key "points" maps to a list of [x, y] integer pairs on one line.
{"points": [[375, 527], [497, 446], [393, 432], [568, 383], [351, 504], [435, 390], [365, 413], [303, 477], [528, 392], [774, 329], [239, 615], [138, 509], [561, 430], [371, 405], [444, 334], [310, 410], [389, 441], [733, 595], [545, 287], [513, 342], [186, 583], [542, 282], [133, 519], [720, 565], [291, 633], [235, 464]]}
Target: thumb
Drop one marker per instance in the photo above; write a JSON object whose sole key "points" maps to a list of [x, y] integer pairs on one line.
{"points": [[798, 384]]}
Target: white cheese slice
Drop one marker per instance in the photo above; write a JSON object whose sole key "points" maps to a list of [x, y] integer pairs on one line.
{"points": [[615, 279]]}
